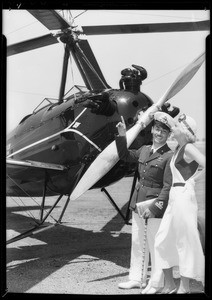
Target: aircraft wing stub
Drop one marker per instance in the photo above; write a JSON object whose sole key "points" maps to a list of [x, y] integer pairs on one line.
{"points": [[36, 164]]}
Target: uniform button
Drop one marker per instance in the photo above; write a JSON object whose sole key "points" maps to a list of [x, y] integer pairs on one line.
{"points": [[142, 185], [146, 164], [156, 165], [144, 171], [142, 177]]}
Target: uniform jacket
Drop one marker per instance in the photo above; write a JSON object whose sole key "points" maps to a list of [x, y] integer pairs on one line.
{"points": [[154, 174]]}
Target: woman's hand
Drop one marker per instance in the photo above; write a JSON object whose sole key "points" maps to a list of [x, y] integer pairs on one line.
{"points": [[121, 126]]}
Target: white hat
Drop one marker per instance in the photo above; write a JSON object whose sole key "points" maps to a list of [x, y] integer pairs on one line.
{"points": [[165, 119], [188, 123]]}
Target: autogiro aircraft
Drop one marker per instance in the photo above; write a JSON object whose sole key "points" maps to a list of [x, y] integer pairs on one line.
{"points": [[67, 147]]}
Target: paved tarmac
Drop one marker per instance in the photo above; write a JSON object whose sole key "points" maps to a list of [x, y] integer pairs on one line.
{"points": [[88, 254]]}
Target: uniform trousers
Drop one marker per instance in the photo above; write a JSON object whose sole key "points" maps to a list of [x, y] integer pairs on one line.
{"points": [[138, 223]]}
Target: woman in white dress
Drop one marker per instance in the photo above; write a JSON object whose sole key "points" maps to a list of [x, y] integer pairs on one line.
{"points": [[177, 241]]}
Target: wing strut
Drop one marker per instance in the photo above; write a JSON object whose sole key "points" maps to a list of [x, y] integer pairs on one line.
{"points": [[44, 196], [40, 227], [114, 204], [68, 199], [127, 217]]}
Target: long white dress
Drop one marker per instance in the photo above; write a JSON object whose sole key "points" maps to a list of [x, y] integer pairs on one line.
{"points": [[177, 241]]}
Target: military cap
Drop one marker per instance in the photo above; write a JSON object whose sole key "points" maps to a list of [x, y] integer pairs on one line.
{"points": [[164, 120]]}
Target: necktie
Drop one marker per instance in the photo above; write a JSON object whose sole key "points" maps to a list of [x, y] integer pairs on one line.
{"points": [[151, 152]]}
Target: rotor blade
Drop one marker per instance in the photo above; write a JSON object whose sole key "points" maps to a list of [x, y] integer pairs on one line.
{"points": [[109, 156], [88, 66], [49, 18], [146, 28], [31, 44]]}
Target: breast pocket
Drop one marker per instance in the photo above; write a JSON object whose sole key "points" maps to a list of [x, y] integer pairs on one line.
{"points": [[156, 170], [141, 166]]}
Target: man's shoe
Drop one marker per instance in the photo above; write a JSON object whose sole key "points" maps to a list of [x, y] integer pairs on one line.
{"points": [[132, 284]]}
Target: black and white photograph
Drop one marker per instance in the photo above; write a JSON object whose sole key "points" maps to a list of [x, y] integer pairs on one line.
{"points": [[106, 151]]}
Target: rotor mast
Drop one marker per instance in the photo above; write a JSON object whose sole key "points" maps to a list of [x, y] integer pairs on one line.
{"points": [[64, 73], [66, 14]]}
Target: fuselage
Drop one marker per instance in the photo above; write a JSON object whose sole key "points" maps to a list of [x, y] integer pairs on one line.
{"points": [[68, 134]]}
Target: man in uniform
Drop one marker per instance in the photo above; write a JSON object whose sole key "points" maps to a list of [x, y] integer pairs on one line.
{"points": [[154, 181]]}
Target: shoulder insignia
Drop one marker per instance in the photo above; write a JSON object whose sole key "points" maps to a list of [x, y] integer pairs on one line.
{"points": [[159, 204]]}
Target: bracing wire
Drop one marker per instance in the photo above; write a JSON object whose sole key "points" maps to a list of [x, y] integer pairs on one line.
{"points": [[80, 14], [164, 75], [28, 212], [28, 195]]}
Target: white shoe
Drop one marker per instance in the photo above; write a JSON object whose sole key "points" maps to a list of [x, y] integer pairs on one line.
{"points": [[144, 291], [152, 290], [132, 284]]}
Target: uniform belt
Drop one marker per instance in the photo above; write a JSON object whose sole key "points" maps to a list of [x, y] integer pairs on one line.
{"points": [[178, 184]]}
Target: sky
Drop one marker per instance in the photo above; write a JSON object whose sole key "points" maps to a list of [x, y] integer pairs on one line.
{"points": [[35, 75]]}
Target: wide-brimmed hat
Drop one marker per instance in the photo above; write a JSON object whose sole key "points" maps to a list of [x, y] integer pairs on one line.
{"points": [[188, 123], [164, 120]]}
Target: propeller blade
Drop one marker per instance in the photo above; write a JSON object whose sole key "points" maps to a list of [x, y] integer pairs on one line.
{"points": [[31, 44], [109, 156], [49, 18], [185, 76], [146, 28]]}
